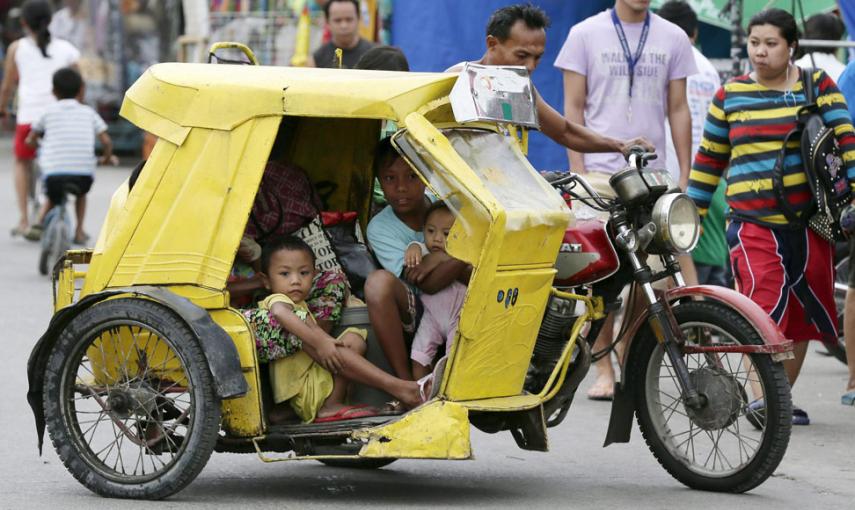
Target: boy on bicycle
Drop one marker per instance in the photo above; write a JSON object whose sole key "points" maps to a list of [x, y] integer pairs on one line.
{"points": [[68, 130]]}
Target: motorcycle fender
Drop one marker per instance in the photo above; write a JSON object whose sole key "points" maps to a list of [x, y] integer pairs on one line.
{"points": [[775, 344], [217, 345]]}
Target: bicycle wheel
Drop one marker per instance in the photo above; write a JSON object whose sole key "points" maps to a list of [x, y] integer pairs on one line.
{"points": [[56, 238]]}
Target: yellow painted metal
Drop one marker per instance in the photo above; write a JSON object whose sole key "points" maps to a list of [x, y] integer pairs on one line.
{"points": [[492, 355], [187, 212], [121, 354], [171, 97], [242, 416], [66, 281], [436, 430], [210, 299], [495, 338]]}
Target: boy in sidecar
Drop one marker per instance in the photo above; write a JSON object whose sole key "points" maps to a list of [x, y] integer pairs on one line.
{"points": [[395, 287], [308, 368]]}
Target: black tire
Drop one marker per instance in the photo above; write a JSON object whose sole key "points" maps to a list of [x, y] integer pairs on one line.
{"points": [[841, 284], [162, 393], [730, 417], [55, 240], [357, 463]]}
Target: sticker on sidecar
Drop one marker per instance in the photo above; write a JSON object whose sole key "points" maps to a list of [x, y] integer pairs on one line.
{"points": [[508, 296]]}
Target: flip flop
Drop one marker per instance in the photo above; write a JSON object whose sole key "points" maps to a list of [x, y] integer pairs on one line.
{"points": [[755, 413], [34, 233], [348, 413], [848, 398], [435, 378], [800, 417]]}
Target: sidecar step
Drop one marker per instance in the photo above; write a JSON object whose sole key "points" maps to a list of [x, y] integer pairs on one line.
{"points": [[336, 428]]}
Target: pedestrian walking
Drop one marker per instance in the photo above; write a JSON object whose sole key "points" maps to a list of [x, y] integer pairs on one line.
{"points": [[785, 268], [625, 71], [710, 255], [30, 65]]}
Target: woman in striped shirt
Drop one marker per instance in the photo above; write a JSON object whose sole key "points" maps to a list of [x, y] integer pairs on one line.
{"points": [[786, 269]]}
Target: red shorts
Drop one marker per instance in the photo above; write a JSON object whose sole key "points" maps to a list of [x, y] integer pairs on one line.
{"points": [[790, 274], [22, 150]]}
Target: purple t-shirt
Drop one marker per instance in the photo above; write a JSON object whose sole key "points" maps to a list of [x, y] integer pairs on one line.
{"points": [[593, 49]]}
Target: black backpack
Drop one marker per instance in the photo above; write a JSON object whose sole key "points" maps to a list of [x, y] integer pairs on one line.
{"points": [[823, 167]]}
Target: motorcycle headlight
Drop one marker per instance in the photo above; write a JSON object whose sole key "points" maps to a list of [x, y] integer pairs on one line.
{"points": [[677, 223]]}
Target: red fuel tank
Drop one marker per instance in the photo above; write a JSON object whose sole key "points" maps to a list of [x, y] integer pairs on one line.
{"points": [[586, 255]]}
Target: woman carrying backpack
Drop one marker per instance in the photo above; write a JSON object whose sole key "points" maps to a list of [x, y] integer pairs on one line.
{"points": [[780, 264]]}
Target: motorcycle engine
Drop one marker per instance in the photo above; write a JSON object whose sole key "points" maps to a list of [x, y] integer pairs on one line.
{"points": [[551, 339]]}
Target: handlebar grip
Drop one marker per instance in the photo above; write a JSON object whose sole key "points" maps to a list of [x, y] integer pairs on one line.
{"points": [[232, 45]]}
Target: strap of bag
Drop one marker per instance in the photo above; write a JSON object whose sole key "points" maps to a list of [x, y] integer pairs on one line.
{"points": [[778, 180], [807, 79], [778, 170]]}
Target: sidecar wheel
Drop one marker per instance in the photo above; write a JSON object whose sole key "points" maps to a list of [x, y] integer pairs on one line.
{"points": [[357, 463], [725, 446], [129, 400]]}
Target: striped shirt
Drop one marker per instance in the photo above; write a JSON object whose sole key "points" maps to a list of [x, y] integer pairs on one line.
{"points": [[68, 130], [745, 129]]}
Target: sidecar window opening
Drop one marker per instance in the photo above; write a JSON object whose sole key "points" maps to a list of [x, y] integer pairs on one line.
{"points": [[336, 154]]}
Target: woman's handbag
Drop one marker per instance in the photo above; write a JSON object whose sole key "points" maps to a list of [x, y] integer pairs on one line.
{"points": [[823, 166]]}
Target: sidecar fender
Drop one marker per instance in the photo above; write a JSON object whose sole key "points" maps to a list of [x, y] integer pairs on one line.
{"points": [[620, 423], [217, 345]]}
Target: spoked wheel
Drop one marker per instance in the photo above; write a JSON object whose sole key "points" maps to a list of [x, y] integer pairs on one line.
{"points": [[130, 401], [730, 444]]}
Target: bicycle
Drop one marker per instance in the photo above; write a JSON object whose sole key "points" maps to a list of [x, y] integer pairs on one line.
{"points": [[57, 233]]}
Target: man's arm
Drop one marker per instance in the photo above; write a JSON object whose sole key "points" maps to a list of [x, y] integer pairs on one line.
{"points": [[107, 149], [680, 119], [572, 135], [575, 92], [10, 78]]}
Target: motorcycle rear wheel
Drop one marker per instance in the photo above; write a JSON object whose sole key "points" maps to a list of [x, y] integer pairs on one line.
{"points": [[715, 448]]}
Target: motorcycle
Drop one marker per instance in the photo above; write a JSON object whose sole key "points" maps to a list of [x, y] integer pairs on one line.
{"points": [[146, 369], [695, 357]]}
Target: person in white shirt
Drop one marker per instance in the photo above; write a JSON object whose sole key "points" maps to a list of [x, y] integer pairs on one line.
{"points": [[700, 87], [829, 27], [31, 62]]}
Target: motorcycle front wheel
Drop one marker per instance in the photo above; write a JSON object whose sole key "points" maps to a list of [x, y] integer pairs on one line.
{"points": [[737, 439]]}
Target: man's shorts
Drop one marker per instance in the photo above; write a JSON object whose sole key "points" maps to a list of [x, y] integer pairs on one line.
{"points": [[415, 310], [22, 150], [790, 274], [56, 186]]}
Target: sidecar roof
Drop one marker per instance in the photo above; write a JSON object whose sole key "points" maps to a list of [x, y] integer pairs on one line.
{"points": [[169, 99]]}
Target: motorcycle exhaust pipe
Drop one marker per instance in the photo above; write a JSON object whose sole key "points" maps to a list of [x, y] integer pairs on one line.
{"points": [[562, 400]]}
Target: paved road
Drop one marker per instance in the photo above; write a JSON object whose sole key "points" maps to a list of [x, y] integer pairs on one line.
{"points": [[818, 471]]}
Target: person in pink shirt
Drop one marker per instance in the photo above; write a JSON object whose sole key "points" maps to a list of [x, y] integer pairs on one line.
{"points": [[624, 70]]}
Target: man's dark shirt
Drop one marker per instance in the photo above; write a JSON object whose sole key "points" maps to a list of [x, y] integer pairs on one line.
{"points": [[325, 55]]}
